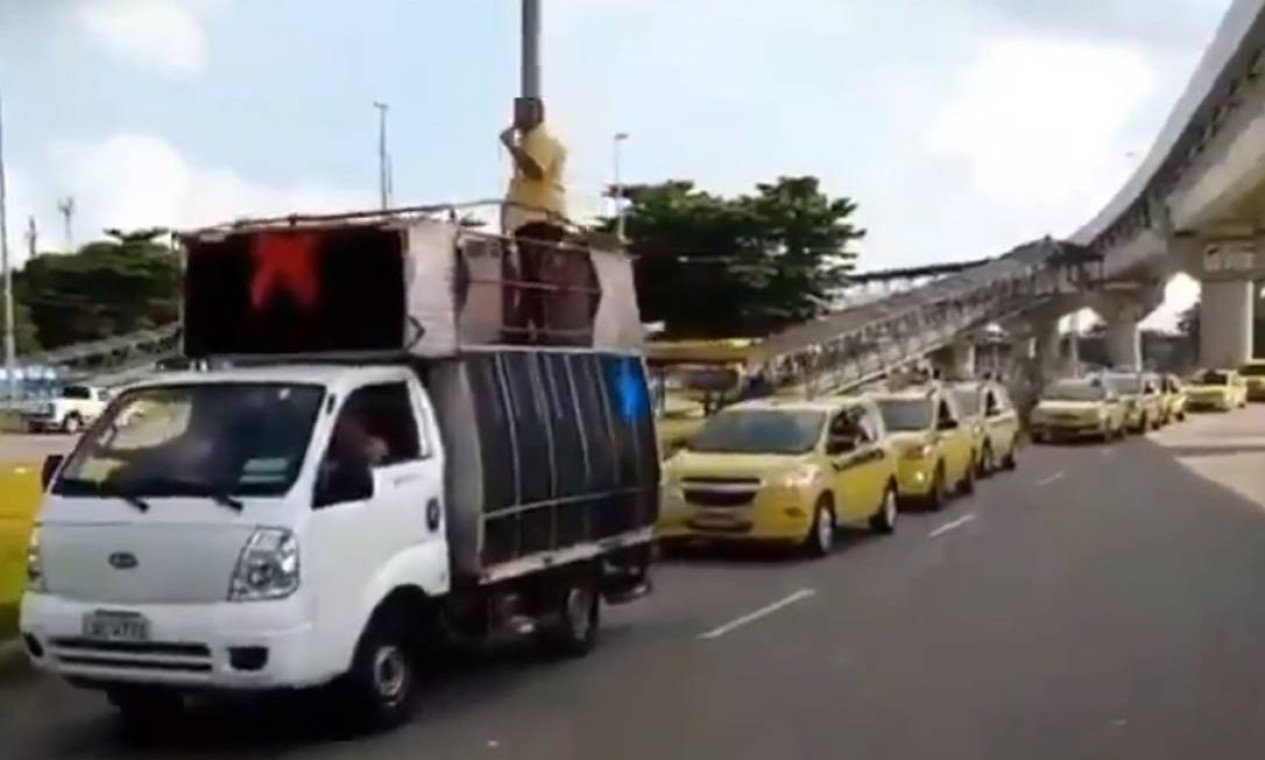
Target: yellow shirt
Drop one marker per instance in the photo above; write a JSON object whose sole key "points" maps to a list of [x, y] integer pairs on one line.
{"points": [[544, 199]]}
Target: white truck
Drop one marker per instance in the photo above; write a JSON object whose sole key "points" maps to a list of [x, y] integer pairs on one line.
{"points": [[74, 407], [306, 520]]}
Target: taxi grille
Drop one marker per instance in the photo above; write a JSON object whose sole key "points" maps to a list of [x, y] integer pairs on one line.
{"points": [[707, 498]]}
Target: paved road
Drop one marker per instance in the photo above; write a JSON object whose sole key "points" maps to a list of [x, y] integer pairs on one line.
{"points": [[27, 448], [1101, 602]]}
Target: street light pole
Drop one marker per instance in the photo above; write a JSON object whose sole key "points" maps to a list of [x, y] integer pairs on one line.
{"points": [[384, 170], [531, 49], [617, 185], [10, 331]]}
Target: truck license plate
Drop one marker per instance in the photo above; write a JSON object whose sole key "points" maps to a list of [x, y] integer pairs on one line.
{"points": [[116, 626]]}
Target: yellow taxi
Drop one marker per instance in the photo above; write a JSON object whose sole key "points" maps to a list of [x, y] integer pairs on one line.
{"points": [[1253, 374], [1143, 402], [987, 411], [1174, 393], [1075, 408], [936, 447], [1216, 390], [782, 471]]}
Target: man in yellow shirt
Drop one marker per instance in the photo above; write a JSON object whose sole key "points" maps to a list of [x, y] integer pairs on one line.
{"points": [[535, 213]]}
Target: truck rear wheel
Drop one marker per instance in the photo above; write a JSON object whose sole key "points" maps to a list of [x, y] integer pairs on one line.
{"points": [[577, 618]]}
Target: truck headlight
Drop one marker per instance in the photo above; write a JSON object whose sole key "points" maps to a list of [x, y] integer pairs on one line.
{"points": [[268, 567], [35, 564]]}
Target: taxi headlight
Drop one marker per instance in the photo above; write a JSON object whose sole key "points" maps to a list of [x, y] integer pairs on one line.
{"points": [[922, 451], [800, 477]]}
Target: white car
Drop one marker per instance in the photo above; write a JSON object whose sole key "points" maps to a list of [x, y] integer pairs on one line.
{"points": [[75, 407]]}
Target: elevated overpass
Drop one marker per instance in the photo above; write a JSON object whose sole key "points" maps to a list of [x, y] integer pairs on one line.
{"points": [[1194, 204]]}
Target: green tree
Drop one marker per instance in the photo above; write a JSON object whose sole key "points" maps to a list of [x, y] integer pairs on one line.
{"points": [[126, 282], [25, 334], [711, 266]]}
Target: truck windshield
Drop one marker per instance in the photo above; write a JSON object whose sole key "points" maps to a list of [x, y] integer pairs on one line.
{"points": [[905, 414], [200, 439], [1075, 392], [760, 431], [1252, 370]]}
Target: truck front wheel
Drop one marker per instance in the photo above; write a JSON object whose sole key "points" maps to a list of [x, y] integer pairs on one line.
{"points": [[381, 685], [573, 632]]}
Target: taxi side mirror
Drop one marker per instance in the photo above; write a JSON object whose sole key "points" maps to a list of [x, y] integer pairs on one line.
{"points": [[840, 445], [947, 423]]}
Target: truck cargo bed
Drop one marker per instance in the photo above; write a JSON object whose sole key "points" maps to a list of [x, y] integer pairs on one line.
{"points": [[561, 460]]}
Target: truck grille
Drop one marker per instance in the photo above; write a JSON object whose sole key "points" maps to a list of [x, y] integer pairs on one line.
{"points": [[166, 657]]}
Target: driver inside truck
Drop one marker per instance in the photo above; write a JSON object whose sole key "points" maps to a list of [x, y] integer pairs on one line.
{"points": [[352, 440]]}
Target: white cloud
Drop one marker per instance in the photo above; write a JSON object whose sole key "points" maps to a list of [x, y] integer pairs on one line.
{"points": [[163, 35], [131, 181], [1040, 122]]}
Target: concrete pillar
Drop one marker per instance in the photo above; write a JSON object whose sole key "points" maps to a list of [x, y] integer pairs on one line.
{"points": [[1124, 342], [956, 360], [1225, 323], [1047, 348]]}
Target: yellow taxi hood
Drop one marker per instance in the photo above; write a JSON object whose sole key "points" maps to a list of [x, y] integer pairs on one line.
{"points": [[692, 464], [908, 439], [1068, 406]]}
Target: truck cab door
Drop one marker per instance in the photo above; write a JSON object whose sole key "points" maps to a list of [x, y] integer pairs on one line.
{"points": [[363, 542]]}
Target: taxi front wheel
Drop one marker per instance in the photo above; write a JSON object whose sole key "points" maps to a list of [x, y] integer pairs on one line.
{"points": [[821, 535], [884, 520]]}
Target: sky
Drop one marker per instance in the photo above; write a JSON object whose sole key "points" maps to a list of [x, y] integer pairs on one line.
{"points": [[960, 127]]}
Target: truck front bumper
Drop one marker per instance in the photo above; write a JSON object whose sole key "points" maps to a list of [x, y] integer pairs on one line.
{"points": [[255, 646]]}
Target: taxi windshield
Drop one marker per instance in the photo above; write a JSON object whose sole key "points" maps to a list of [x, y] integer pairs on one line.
{"points": [[1252, 370], [760, 431], [1212, 377], [1075, 392], [906, 414], [1126, 384]]}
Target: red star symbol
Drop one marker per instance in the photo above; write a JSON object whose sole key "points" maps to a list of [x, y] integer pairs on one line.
{"points": [[285, 261]]}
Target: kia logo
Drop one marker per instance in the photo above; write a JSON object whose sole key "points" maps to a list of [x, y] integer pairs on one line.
{"points": [[123, 561]]}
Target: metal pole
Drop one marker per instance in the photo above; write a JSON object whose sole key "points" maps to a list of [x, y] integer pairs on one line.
{"points": [[384, 190], [10, 331], [531, 49], [617, 186]]}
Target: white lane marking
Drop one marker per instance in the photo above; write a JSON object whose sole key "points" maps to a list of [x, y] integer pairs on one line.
{"points": [[1052, 479], [751, 617], [1106, 452], [963, 520]]}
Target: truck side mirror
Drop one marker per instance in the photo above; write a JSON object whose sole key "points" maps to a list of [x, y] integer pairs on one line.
{"points": [[52, 463], [343, 480]]}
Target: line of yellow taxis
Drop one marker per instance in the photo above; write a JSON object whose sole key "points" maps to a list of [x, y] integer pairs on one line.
{"points": [[796, 472], [1111, 404]]}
